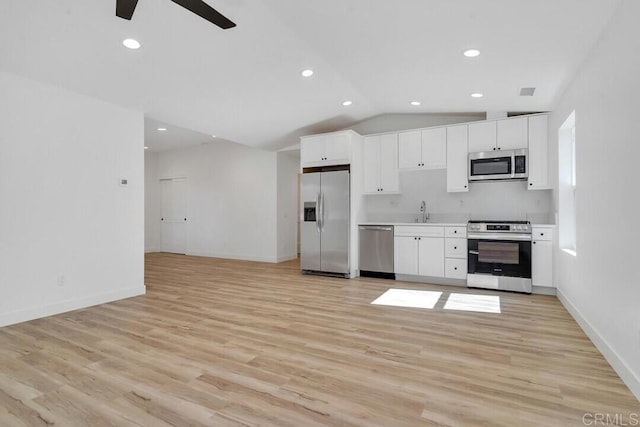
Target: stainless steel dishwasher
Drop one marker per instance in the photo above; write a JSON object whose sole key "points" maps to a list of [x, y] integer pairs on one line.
{"points": [[376, 251]]}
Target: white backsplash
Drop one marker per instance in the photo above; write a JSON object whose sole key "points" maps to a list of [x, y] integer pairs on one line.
{"points": [[506, 200]]}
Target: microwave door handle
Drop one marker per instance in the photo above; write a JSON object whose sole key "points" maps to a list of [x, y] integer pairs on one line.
{"points": [[474, 252], [513, 164]]}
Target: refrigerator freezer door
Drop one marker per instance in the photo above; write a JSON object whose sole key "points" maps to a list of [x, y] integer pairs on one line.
{"points": [[334, 216], [309, 228]]}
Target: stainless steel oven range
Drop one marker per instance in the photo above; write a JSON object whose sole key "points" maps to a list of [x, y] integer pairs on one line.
{"points": [[499, 255]]}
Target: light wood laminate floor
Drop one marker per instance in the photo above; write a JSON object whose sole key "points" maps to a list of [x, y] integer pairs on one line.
{"points": [[219, 342]]}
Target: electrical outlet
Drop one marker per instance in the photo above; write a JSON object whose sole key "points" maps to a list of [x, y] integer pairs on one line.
{"points": [[61, 280]]}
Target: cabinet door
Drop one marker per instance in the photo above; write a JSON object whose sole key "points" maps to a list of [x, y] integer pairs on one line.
{"points": [[389, 180], [512, 134], [538, 153], [431, 256], [482, 136], [457, 159], [434, 148], [405, 255], [542, 263], [371, 164], [312, 149], [338, 147], [410, 150]]}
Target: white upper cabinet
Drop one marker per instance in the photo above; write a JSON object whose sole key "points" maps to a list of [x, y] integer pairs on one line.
{"points": [[506, 134], [538, 153], [434, 148], [482, 136], [389, 179], [426, 149], [380, 164], [457, 158], [312, 149], [338, 147], [512, 134], [326, 149], [410, 150]]}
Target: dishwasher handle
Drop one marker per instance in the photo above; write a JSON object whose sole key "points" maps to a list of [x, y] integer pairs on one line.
{"points": [[376, 227]]}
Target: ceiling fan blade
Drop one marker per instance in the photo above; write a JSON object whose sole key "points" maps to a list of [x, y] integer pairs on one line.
{"points": [[125, 8], [205, 11]]}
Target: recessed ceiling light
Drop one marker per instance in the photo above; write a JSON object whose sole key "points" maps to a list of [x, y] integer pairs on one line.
{"points": [[146, 148], [416, 103], [476, 95], [131, 43], [307, 73], [347, 103], [162, 129], [214, 136], [471, 53]]}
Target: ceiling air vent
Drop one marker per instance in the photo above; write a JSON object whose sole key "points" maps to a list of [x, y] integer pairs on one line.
{"points": [[527, 91]]}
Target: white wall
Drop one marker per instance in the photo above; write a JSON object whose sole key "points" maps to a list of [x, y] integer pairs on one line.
{"points": [[231, 200], [485, 200], [601, 285], [151, 203], [398, 122], [288, 169], [63, 212]]}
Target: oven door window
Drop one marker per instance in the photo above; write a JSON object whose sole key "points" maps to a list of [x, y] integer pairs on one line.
{"points": [[499, 257], [494, 166], [499, 252]]}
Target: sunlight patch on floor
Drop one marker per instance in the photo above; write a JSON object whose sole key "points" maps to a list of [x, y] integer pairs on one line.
{"points": [[408, 298], [471, 302]]}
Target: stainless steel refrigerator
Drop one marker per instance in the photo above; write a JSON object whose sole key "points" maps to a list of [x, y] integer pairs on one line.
{"points": [[324, 231]]}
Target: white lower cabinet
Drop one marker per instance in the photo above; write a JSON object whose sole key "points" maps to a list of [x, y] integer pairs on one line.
{"points": [[405, 258], [542, 257], [431, 256], [429, 251], [419, 250], [455, 268]]}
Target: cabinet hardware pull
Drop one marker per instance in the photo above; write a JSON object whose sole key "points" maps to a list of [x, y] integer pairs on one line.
{"points": [[542, 234], [534, 243], [455, 268], [455, 247]]}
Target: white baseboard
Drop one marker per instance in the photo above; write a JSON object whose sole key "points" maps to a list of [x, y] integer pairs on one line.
{"points": [[32, 313], [627, 375], [289, 257], [152, 249], [234, 256]]}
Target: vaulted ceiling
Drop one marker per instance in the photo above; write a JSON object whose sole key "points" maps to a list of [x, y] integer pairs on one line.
{"points": [[244, 84]]}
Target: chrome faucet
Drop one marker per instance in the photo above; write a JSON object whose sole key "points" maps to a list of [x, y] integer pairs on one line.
{"points": [[423, 210]]}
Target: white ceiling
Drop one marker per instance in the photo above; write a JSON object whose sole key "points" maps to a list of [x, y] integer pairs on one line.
{"points": [[244, 84]]}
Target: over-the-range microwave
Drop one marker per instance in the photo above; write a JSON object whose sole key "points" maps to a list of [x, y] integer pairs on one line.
{"points": [[500, 164]]}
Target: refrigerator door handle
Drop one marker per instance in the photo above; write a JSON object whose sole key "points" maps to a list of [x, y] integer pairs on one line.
{"points": [[318, 213], [321, 210]]}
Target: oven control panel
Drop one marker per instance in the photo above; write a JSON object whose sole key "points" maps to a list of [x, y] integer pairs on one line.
{"points": [[499, 227]]}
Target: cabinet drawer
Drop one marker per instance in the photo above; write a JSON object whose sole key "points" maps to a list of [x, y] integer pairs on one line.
{"points": [[539, 233], [455, 248], [455, 268], [418, 231], [455, 232]]}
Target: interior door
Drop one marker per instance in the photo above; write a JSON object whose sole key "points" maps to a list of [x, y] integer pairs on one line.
{"points": [[173, 236], [334, 216]]}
